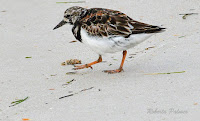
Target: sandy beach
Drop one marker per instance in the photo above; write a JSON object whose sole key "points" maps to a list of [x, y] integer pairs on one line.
{"points": [[160, 82]]}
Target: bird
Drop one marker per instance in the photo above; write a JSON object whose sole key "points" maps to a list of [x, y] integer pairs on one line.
{"points": [[106, 31]]}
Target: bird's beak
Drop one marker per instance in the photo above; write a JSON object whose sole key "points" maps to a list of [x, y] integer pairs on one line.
{"points": [[60, 24]]}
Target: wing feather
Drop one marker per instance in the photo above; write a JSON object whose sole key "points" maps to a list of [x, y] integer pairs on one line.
{"points": [[106, 22]]}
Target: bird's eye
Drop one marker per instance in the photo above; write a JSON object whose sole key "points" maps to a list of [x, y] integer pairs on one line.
{"points": [[67, 16]]}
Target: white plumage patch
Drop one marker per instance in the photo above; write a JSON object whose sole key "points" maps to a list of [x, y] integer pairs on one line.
{"points": [[112, 44]]}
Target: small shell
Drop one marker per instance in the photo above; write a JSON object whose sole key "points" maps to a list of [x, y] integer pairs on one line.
{"points": [[73, 61]]}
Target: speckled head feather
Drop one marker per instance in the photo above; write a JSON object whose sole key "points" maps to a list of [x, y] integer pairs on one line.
{"points": [[71, 15]]}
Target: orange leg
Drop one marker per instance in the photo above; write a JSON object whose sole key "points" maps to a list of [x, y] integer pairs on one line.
{"points": [[121, 66], [89, 64]]}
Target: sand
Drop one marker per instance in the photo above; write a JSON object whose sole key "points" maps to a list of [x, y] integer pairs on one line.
{"points": [[137, 94]]}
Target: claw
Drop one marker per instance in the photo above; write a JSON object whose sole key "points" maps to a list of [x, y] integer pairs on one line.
{"points": [[91, 67]]}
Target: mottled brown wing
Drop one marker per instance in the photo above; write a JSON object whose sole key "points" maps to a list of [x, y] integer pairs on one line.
{"points": [[105, 22]]}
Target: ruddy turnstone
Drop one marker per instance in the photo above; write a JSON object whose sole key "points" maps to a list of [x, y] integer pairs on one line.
{"points": [[106, 31]]}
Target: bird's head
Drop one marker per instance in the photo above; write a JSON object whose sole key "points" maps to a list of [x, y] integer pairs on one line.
{"points": [[71, 15]]}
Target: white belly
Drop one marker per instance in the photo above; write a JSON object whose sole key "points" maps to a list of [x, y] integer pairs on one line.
{"points": [[112, 44]]}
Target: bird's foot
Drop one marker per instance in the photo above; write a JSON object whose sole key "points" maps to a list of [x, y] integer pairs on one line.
{"points": [[82, 67], [113, 71]]}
